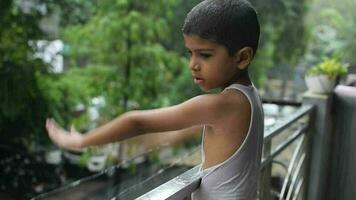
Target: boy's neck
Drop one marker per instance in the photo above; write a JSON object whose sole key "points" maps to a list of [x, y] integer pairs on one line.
{"points": [[242, 78]]}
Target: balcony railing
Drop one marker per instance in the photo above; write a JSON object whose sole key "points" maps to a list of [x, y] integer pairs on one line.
{"points": [[182, 186], [297, 125], [305, 135]]}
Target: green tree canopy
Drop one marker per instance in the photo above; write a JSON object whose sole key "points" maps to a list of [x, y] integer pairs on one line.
{"points": [[126, 37], [22, 104]]}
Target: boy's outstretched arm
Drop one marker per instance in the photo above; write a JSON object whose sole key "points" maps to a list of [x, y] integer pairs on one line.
{"points": [[204, 109], [152, 140]]}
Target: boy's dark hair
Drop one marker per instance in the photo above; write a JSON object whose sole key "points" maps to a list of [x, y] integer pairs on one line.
{"points": [[232, 23]]}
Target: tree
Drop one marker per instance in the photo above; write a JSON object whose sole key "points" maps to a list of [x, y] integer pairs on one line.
{"points": [[127, 37], [331, 26], [282, 35], [23, 106]]}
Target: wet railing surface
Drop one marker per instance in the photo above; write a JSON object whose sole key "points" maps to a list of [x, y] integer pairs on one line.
{"points": [[178, 188], [182, 186], [119, 182]]}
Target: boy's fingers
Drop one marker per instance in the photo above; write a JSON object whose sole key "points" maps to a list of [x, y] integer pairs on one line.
{"points": [[72, 129], [54, 129], [48, 124], [57, 126], [53, 122], [50, 128]]}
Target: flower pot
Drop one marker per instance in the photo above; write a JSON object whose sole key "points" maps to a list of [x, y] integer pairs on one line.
{"points": [[73, 156], [53, 157], [320, 84], [97, 163]]}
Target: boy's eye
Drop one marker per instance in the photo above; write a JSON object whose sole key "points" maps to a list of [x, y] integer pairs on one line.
{"points": [[189, 53], [205, 55]]}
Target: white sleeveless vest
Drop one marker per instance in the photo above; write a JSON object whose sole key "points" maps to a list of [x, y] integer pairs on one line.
{"points": [[236, 178]]}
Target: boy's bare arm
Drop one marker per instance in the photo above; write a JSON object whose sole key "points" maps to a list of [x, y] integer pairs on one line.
{"points": [[197, 111], [151, 140], [204, 109]]}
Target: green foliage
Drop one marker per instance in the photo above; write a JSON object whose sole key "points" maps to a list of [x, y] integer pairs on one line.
{"points": [[346, 33], [74, 12], [332, 31], [85, 157], [76, 86], [331, 67], [282, 37], [22, 104], [153, 156], [181, 8], [110, 160], [132, 167], [282, 24], [128, 36]]}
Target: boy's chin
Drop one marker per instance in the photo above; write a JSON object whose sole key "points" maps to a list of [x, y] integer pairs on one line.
{"points": [[207, 89], [204, 89]]}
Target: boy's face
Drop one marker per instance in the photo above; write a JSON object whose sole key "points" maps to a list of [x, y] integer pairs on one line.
{"points": [[210, 64]]}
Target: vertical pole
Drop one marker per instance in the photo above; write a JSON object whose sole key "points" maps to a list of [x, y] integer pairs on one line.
{"points": [[319, 145], [343, 173], [265, 176]]}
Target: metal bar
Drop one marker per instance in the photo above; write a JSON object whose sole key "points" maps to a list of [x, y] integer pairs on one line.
{"points": [[290, 168], [294, 179], [282, 102], [285, 123], [281, 164], [284, 145], [298, 188], [265, 175], [178, 188]]}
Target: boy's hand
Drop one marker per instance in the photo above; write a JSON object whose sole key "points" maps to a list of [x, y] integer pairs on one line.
{"points": [[62, 138]]}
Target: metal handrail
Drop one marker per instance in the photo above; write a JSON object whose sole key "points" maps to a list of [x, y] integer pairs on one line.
{"points": [[285, 123], [178, 188], [284, 145]]}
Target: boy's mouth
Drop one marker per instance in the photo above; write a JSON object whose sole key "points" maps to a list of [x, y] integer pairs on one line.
{"points": [[198, 80]]}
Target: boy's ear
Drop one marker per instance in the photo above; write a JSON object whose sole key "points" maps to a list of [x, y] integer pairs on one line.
{"points": [[243, 57]]}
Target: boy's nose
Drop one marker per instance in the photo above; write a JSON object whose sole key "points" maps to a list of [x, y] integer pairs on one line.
{"points": [[194, 66]]}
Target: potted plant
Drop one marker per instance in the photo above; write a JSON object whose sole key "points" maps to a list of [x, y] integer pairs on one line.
{"points": [[322, 77]]}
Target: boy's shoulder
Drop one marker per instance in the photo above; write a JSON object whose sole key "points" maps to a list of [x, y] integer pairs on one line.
{"points": [[227, 102], [235, 100], [208, 109]]}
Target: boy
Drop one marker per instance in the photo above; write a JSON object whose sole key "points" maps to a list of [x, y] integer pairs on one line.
{"points": [[222, 38]]}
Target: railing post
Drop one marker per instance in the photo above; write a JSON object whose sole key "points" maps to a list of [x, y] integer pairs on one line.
{"points": [[265, 176], [319, 144], [343, 173]]}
